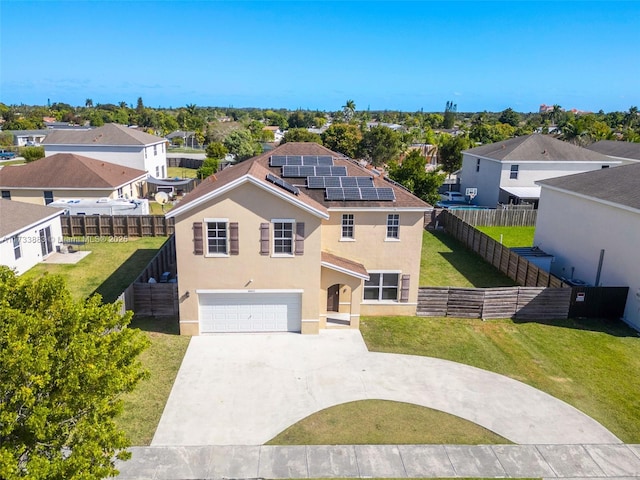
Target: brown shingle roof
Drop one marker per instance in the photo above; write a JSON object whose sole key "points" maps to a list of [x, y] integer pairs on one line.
{"points": [[16, 216], [536, 147], [67, 170], [109, 134], [344, 264], [258, 167], [617, 185]]}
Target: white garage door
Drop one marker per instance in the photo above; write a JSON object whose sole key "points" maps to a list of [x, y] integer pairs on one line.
{"points": [[250, 312]]}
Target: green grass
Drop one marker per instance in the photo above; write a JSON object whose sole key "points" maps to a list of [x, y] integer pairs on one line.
{"points": [[108, 269], [13, 162], [180, 172], [445, 262], [144, 406], [371, 422], [590, 364], [511, 236], [156, 209]]}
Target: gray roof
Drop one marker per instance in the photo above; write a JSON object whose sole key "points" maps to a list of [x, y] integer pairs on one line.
{"points": [[19, 133], [617, 185], [618, 149], [16, 216], [109, 134], [538, 148]]}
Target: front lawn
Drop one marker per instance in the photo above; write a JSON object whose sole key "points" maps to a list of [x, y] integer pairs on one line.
{"points": [[590, 364], [511, 236], [369, 422], [446, 262], [144, 406], [108, 269]]}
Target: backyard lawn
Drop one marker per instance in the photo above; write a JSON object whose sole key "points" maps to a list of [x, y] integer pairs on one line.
{"points": [[446, 262], [511, 236], [180, 172], [108, 270]]}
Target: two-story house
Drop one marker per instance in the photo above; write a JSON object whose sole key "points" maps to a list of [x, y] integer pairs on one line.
{"points": [[114, 144], [296, 239], [506, 172]]}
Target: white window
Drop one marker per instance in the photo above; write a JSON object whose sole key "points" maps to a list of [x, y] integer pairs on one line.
{"points": [[17, 252], [155, 150], [347, 226], [217, 237], [283, 237], [514, 172], [157, 172], [382, 286], [393, 226]]}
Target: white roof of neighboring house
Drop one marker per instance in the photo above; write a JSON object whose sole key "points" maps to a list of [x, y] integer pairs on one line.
{"points": [[523, 192]]}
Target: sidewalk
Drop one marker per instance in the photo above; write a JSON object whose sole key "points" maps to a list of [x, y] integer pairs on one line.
{"points": [[390, 461]]}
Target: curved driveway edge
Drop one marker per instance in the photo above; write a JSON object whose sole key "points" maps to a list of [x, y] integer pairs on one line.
{"points": [[244, 389]]}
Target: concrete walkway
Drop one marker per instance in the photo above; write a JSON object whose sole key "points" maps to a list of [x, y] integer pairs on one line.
{"points": [[385, 461], [244, 389]]}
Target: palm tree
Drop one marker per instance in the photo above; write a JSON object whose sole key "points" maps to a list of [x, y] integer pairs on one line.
{"points": [[555, 113], [88, 103], [191, 108], [349, 110]]}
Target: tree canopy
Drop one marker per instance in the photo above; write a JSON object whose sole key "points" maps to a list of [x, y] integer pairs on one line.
{"points": [[450, 152], [412, 174], [242, 144], [63, 367], [380, 145], [300, 135], [343, 138]]}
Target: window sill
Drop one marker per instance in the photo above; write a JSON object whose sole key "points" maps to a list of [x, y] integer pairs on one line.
{"points": [[380, 302], [283, 255], [217, 255], [391, 239], [347, 239]]}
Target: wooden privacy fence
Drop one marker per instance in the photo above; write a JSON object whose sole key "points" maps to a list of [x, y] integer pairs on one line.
{"points": [[534, 303], [117, 226], [155, 299], [488, 218], [517, 268]]}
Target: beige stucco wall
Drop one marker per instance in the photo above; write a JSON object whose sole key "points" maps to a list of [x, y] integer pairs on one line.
{"points": [[249, 205], [350, 295], [37, 196], [371, 248]]}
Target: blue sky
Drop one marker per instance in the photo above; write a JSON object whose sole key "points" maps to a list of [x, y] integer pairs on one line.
{"points": [[383, 55]]}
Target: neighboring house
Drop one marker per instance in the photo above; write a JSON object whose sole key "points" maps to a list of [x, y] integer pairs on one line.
{"points": [[114, 144], [25, 138], [590, 222], [507, 172], [28, 234], [188, 138], [65, 175], [278, 134], [619, 150], [393, 126], [264, 245]]}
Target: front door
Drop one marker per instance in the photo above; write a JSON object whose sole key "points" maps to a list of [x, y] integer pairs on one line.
{"points": [[333, 298]]}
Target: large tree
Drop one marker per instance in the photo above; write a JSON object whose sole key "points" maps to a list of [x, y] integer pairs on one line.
{"points": [[450, 152], [300, 135], [343, 138], [449, 115], [412, 174], [349, 110], [510, 117], [380, 145], [64, 365], [242, 144]]}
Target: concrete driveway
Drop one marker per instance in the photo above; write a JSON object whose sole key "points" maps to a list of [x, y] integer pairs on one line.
{"points": [[244, 389]]}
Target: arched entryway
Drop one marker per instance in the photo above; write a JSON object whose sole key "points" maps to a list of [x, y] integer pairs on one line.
{"points": [[339, 304]]}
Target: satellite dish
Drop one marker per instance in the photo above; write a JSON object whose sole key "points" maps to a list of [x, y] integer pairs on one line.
{"points": [[161, 198]]}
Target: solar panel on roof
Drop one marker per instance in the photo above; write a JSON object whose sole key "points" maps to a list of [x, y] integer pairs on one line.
{"points": [[349, 181], [365, 181], [360, 193], [312, 171], [315, 182], [386, 194], [351, 193], [277, 160], [282, 184], [333, 193]]}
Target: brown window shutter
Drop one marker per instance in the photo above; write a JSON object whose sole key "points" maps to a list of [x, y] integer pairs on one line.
{"points": [[299, 238], [264, 239], [197, 238], [234, 244], [404, 288]]}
